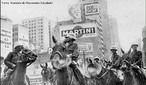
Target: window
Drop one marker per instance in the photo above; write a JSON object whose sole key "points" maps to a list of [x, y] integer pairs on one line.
{"points": [[16, 34]]}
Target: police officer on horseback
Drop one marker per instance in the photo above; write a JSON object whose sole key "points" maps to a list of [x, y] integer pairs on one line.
{"points": [[72, 51], [135, 56], [11, 61], [115, 57]]}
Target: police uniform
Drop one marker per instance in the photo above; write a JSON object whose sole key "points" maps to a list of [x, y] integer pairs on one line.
{"points": [[115, 58], [72, 49], [136, 58], [10, 62]]}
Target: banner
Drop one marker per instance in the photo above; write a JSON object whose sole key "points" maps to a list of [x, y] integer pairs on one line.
{"points": [[81, 30]]}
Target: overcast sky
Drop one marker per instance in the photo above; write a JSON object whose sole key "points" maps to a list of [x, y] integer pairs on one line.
{"points": [[130, 15]]}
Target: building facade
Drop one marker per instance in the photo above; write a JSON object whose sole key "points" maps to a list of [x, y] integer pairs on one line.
{"points": [[6, 36], [20, 34], [144, 45], [103, 21], [114, 34], [39, 29]]}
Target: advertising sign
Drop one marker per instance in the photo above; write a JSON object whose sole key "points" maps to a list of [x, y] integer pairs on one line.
{"points": [[75, 12], [87, 47], [81, 30], [91, 9], [6, 41]]}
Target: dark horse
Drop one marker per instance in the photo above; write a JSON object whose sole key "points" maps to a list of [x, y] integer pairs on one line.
{"points": [[132, 74], [19, 75], [101, 75], [64, 74], [47, 75]]}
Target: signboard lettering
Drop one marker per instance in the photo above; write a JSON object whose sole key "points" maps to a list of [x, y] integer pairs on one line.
{"points": [[79, 31], [91, 9]]}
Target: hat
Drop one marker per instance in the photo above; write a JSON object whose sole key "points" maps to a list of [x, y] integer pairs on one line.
{"points": [[96, 58], [113, 47], [71, 36], [134, 45]]}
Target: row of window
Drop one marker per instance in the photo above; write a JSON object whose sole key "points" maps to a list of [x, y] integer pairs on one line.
{"points": [[29, 21], [15, 29], [33, 24]]}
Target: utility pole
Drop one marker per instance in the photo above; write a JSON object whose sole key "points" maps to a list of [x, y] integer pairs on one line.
{"points": [[84, 57]]}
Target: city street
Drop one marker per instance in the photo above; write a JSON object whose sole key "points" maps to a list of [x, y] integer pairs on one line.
{"points": [[73, 42]]}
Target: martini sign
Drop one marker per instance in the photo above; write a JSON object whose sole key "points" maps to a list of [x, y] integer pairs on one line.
{"points": [[81, 30]]}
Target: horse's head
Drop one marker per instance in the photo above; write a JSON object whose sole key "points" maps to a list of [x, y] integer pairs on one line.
{"points": [[94, 68], [59, 58], [46, 72], [27, 56], [125, 61]]}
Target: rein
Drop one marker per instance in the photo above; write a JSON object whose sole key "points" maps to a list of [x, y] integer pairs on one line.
{"points": [[104, 74]]}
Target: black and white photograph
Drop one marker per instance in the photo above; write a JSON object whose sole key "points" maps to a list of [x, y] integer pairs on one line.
{"points": [[73, 42]]}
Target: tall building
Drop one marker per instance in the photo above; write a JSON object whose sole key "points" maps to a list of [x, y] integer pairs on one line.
{"points": [[101, 18], [39, 29], [20, 34], [144, 45], [114, 34], [6, 36]]}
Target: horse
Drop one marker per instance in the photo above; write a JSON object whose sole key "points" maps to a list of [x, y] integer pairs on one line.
{"points": [[132, 73], [47, 75], [18, 76], [60, 61], [102, 75]]}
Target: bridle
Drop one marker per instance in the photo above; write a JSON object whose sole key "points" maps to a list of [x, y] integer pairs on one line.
{"points": [[57, 52], [102, 74]]}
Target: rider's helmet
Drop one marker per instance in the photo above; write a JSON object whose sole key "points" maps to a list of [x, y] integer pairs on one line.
{"points": [[113, 48], [18, 46], [134, 44], [71, 36], [96, 58]]}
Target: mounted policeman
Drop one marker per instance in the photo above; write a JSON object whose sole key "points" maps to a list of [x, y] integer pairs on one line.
{"points": [[115, 57], [72, 51], [135, 55], [12, 59]]}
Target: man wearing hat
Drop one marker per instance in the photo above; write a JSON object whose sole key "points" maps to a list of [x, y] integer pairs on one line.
{"points": [[115, 57], [72, 51], [136, 56], [11, 61]]}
